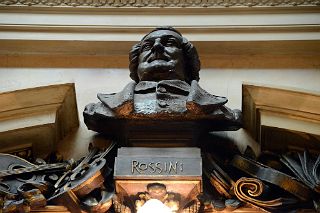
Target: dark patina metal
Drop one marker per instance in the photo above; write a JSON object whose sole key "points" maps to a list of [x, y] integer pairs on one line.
{"points": [[269, 175], [165, 93], [305, 167]]}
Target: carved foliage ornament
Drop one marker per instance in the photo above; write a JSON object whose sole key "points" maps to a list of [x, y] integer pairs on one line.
{"points": [[305, 168], [162, 3]]}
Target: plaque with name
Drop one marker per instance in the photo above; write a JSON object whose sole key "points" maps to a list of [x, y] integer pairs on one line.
{"points": [[157, 167], [170, 175]]}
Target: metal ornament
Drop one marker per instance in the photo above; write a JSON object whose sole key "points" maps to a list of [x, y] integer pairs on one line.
{"points": [[269, 175], [252, 190], [305, 168]]}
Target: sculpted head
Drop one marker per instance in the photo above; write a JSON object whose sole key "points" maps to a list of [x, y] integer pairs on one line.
{"points": [[157, 190], [164, 54]]}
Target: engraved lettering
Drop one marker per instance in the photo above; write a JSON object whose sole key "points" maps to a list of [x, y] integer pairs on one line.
{"points": [[173, 167], [158, 167], [143, 166], [152, 167], [134, 165]]}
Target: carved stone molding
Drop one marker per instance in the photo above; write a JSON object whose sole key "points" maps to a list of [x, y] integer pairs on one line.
{"points": [[161, 3], [33, 120], [280, 118], [218, 54]]}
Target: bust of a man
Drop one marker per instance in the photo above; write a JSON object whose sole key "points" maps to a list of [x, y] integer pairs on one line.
{"points": [[165, 69]]}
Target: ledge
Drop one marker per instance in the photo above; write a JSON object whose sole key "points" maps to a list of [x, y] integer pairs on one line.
{"points": [[34, 120], [270, 20], [285, 110], [99, 34], [107, 54]]}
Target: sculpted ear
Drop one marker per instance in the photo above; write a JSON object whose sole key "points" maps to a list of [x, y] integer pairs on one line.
{"points": [[134, 61], [192, 62], [184, 40]]}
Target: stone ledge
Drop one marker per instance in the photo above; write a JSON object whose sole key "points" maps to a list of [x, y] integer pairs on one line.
{"points": [[292, 111], [36, 119], [214, 54]]}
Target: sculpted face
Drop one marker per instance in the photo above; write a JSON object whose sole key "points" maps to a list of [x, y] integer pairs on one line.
{"points": [[161, 57], [157, 192]]}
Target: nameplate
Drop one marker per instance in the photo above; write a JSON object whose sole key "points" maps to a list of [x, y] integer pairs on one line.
{"points": [[133, 167]]}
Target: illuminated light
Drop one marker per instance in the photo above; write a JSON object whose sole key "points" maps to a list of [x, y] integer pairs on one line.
{"points": [[154, 206]]}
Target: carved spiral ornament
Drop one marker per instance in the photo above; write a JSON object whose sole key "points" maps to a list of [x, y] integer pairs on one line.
{"points": [[246, 188], [161, 3], [251, 190]]}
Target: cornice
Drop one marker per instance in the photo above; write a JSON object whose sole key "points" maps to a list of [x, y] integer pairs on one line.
{"points": [[36, 119], [160, 3], [145, 29], [262, 102]]}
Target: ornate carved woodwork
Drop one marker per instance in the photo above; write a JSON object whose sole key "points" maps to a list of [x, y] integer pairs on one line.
{"points": [[87, 176], [170, 175], [25, 186], [82, 186], [168, 98]]}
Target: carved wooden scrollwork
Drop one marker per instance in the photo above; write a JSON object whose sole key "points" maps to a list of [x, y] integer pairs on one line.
{"points": [[162, 3]]}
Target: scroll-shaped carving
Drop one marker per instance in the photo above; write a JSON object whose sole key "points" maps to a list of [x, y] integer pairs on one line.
{"points": [[24, 185], [251, 190], [272, 176], [85, 183]]}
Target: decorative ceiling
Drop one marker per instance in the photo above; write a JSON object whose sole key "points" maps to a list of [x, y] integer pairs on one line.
{"points": [[162, 3]]}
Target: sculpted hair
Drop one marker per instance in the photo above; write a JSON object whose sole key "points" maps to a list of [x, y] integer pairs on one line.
{"points": [[150, 185], [191, 58]]}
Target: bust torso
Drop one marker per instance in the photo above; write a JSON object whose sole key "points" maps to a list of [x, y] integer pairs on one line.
{"points": [[167, 96]]}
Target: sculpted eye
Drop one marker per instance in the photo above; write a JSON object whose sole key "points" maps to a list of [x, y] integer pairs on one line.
{"points": [[171, 42], [146, 46]]}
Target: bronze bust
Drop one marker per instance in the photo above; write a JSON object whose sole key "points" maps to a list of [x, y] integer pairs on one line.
{"points": [[165, 68]]}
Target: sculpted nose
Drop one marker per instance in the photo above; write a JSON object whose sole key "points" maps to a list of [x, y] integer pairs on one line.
{"points": [[157, 46]]}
